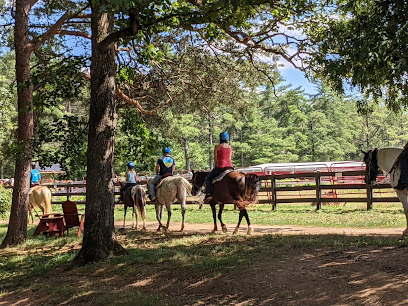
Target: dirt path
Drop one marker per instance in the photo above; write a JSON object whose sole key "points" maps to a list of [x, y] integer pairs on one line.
{"points": [[192, 228]]}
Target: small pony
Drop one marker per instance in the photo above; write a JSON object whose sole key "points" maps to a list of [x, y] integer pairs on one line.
{"points": [[135, 196], [170, 190], [37, 196]]}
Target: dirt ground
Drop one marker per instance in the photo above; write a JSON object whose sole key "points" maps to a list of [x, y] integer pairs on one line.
{"points": [[352, 276], [302, 276]]}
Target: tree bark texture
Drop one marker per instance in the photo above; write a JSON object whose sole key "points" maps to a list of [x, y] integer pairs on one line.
{"points": [[99, 238], [210, 141], [17, 228], [187, 153]]}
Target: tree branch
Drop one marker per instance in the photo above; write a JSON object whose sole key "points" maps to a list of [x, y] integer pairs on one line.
{"points": [[55, 28], [121, 95], [73, 33]]}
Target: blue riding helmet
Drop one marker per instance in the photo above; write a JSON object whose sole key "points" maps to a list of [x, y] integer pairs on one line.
{"points": [[166, 150], [224, 136], [131, 164]]}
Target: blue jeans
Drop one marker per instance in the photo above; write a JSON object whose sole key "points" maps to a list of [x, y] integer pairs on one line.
{"points": [[153, 185], [209, 178]]}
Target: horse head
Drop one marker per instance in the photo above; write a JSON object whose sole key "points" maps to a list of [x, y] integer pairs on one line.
{"points": [[197, 181], [372, 170]]}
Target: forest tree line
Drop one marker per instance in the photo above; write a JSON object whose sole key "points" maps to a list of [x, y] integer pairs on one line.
{"points": [[266, 122]]}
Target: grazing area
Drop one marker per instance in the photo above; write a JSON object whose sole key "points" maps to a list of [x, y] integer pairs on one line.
{"points": [[313, 265]]}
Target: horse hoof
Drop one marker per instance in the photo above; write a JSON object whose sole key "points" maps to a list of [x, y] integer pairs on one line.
{"points": [[405, 232], [224, 228], [235, 231], [250, 230]]}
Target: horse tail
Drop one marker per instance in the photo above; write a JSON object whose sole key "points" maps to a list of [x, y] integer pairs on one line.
{"points": [[141, 201], [252, 186], [186, 184], [138, 196], [47, 199]]}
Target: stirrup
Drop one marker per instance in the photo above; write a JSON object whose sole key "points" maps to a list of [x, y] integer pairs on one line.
{"points": [[207, 199]]}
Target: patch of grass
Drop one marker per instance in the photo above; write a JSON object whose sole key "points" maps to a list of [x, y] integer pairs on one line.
{"points": [[349, 215]]}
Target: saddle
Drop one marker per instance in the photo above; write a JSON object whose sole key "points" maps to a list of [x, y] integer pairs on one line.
{"points": [[162, 178], [222, 175]]}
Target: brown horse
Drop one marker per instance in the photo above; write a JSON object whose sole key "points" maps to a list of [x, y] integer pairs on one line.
{"points": [[236, 187]]}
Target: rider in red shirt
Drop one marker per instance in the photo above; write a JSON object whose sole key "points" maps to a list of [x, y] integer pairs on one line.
{"points": [[222, 160]]}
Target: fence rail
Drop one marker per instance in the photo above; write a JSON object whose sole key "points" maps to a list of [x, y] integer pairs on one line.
{"points": [[324, 184]]}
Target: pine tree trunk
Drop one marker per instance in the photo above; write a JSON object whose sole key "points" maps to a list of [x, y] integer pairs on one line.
{"points": [[99, 238], [187, 153], [210, 141], [17, 228]]}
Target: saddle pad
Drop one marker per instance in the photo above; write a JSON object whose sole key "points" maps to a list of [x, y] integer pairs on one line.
{"points": [[161, 181], [221, 175]]}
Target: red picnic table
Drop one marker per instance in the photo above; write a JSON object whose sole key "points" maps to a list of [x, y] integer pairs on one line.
{"points": [[51, 224]]}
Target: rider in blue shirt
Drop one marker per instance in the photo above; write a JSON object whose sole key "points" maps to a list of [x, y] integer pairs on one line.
{"points": [[35, 176], [165, 167]]}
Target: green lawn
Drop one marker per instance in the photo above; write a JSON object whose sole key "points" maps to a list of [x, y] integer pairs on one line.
{"points": [[349, 215]]}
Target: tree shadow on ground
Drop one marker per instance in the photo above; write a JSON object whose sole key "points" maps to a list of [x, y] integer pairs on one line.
{"points": [[180, 269]]}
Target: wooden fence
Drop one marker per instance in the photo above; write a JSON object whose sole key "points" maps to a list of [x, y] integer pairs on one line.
{"points": [[319, 188]]}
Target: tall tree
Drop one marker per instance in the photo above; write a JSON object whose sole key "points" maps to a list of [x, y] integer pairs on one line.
{"points": [[17, 230], [25, 45], [363, 43]]}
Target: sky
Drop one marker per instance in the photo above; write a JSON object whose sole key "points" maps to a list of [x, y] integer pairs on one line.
{"points": [[297, 78]]}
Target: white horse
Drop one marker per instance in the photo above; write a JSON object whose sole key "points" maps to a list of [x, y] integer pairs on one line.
{"points": [[37, 196], [168, 191], [386, 160]]}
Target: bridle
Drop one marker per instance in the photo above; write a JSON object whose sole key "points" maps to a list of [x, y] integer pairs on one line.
{"points": [[371, 167], [196, 189]]}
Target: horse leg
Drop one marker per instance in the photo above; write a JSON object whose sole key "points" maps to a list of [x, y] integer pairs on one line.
{"points": [[214, 212], [223, 226], [124, 216], [159, 210], [143, 214], [250, 228], [241, 214], [183, 211], [134, 218], [30, 210], [403, 196], [168, 207], [181, 197]]}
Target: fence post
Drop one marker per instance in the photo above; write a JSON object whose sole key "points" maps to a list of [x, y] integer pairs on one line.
{"points": [[318, 191], [369, 196], [274, 193], [69, 191]]}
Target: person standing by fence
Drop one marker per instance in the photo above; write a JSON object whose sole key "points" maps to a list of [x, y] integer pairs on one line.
{"points": [[35, 176]]}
